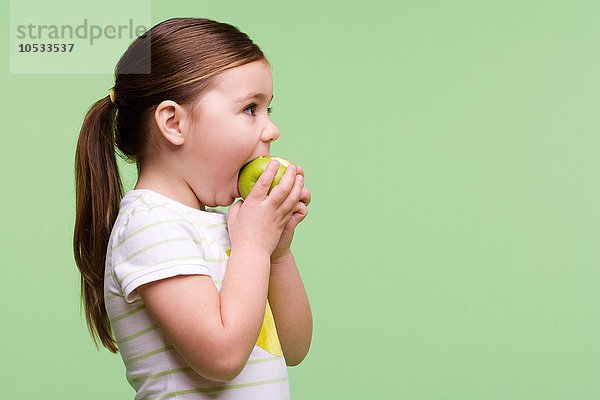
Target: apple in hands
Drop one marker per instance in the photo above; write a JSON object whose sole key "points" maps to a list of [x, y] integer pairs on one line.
{"points": [[250, 173]]}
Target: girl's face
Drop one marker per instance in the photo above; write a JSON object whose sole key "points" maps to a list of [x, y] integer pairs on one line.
{"points": [[233, 128]]}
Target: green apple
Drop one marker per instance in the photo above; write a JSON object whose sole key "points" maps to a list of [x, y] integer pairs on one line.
{"points": [[250, 173]]}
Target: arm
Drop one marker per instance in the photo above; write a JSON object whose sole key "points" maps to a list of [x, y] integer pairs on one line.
{"points": [[214, 332], [291, 310]]}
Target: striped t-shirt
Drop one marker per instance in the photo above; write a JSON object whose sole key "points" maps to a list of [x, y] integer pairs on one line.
{"points": [[156, 237]]}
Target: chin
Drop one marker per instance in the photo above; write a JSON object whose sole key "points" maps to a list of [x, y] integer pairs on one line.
{"points": [[225, 201]]}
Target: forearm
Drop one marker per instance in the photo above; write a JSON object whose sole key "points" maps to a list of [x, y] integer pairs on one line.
{"points": [[291, 309], [243, 299]]}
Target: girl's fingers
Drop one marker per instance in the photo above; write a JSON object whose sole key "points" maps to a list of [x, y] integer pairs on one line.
{"points": [[305, 196], [262, 185], [294, 197], [281, 191], [300, 212]]}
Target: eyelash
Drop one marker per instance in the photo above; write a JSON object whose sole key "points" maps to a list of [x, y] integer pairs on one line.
{"points": [[269, 110]]}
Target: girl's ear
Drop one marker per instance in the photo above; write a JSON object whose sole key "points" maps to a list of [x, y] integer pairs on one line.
{"points": [[169, 118]]}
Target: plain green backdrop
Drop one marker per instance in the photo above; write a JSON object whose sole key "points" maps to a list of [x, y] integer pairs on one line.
{"points": [[452, 150]]}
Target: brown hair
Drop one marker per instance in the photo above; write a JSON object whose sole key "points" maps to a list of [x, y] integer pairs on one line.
{"points": [[185, 56]]}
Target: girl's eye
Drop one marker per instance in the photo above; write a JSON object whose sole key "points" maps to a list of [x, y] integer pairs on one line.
{"points": [[252, 108]]}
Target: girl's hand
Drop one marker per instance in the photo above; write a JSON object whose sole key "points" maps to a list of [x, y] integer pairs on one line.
{"points": [[258, 221], [300, 212]]}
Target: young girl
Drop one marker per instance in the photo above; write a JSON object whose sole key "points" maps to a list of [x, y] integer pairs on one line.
{"points": [[199, 304]]}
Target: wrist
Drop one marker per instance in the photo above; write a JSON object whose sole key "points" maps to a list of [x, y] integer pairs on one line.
{"points": [[252, 251], [282, 258]]}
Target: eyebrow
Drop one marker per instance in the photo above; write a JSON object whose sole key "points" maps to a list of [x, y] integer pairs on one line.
{"points": [[253, 95]]}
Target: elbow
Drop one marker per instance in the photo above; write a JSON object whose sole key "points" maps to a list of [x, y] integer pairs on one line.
{"points": [[292, 361], [223, 376], [222, 369], [218, 360], [231, 371], [218, 374], [294, 356]]}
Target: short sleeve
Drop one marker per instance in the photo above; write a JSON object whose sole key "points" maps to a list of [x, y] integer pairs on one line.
{"points": [[156, 244]]}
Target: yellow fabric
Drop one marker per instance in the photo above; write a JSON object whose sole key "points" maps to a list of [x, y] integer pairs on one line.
{"points": [[268, 339]]}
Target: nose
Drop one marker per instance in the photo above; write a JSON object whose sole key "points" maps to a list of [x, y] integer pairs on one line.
{"points": [[270, 133]]}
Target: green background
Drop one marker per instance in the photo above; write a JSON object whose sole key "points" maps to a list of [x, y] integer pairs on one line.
{"points": [[451, 249]]}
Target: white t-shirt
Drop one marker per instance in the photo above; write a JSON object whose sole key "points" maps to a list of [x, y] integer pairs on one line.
{"points": [[156, 237]]}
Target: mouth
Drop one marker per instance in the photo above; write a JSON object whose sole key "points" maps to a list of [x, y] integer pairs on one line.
{"points": [[254, 158]]}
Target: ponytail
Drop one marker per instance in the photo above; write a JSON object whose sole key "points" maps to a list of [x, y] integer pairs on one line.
{"points": [[98, 191]]}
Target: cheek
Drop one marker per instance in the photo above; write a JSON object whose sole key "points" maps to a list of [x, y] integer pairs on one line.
{"points": [[241, 148], [228, 159], [228, 145]]}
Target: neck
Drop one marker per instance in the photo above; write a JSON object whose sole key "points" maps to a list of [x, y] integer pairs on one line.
{"points": [[171, 187]]}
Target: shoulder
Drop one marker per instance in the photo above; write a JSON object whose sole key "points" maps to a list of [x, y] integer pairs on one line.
{"points": [[144, 212], [154, 241]]}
